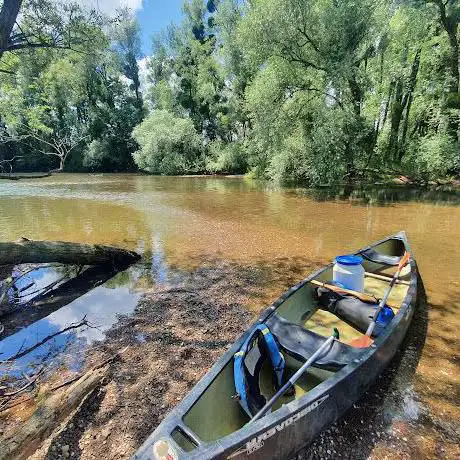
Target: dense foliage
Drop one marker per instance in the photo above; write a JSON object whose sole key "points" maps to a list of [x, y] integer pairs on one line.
{"points": [[311, 91], [70, 104], [168, 144]]}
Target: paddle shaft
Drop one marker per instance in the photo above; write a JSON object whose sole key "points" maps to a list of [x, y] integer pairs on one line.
{"points": [[293, 379], [359, 295], [401, 265]]}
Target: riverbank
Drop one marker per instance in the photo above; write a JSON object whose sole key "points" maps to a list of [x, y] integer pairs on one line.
{"points": [[172, 339], [378, 180], [175, 335]]}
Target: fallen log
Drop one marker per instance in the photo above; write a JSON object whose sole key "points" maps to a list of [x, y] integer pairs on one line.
{"points": [[17, 176], [24, 441], [28, 251]]}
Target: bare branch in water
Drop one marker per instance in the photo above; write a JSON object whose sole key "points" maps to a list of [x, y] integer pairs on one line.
{"points": [[81, 323]]}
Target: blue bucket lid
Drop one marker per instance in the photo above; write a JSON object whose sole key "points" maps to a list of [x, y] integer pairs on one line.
{"points": [[349, 260]]}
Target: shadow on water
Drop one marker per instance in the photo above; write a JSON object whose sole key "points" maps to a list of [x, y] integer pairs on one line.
{"points": [[390, 399], [384, 195]]}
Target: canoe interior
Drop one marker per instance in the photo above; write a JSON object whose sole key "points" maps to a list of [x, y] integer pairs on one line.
{"points": [[216, 414]]}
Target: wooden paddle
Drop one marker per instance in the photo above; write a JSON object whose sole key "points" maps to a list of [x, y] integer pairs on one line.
{"points": [[359, 295], [365, 340]]}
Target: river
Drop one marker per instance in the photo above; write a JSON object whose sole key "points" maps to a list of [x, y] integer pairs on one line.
{"points": [[178, 223]]}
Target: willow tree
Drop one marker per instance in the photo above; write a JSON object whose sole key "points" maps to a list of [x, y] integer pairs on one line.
{"points": [[306, 100]]}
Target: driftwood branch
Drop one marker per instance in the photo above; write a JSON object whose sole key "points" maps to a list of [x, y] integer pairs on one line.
{"points": [[30, 382], [48, 415], [23, 442], [17, 176], [22, 353]]}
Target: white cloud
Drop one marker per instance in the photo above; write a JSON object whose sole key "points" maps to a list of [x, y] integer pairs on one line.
{"points": [[101, 306], [109, 7]]}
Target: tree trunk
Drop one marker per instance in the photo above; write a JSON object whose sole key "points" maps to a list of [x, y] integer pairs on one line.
{"points": [[49, 414], [397, 109], [356, 94], [387, 105], [27, 251], [8, 14], [450, 24], [407, 101], [17, 176]]}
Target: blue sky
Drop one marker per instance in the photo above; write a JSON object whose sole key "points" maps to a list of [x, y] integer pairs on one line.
{"points": [[154, 16]]}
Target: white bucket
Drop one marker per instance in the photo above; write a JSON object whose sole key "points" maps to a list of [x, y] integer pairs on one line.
{"points": [[349, 273]]}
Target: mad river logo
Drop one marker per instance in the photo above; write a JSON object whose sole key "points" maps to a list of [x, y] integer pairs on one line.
{"points": [[258, 442]]}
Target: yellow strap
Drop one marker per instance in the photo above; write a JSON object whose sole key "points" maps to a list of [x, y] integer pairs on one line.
{"points": [[265, 331], [239, 353]]}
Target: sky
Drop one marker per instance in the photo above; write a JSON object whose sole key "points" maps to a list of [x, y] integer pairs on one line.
{"points": [[152, 15]]}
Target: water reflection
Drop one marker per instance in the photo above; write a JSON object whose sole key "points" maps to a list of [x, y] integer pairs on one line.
{"points": [[178, 222], [384, 195], [64, 309]]}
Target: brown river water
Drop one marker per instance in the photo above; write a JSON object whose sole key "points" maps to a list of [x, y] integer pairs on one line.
{"points": [[178, 223]]}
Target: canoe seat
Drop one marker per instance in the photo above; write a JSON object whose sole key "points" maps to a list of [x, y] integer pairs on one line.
{"points": [[301, 343], [374, 256]]}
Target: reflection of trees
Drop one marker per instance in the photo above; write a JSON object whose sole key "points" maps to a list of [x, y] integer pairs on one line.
{"points": [[385, 195], [34, 292], [64, 286], [24, 283]]}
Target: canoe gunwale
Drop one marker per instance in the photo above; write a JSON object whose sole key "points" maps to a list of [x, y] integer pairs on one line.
{"points": [[391, 337]]}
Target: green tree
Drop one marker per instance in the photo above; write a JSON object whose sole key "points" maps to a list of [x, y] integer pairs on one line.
{"points": [[26, 25], [186, 74], [312, 59], [128, 49], [168, 144]]}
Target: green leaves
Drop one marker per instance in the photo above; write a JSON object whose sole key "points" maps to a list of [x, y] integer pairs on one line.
{"points": [[64, 94], [309, 91], [168, 144]]}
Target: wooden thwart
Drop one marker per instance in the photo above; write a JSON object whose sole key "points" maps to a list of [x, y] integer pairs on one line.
{"points": [[385, 278], [359, 295]]}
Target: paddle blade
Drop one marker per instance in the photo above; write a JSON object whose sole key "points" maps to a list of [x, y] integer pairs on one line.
{"points": [[404, 260], [361, 342]]}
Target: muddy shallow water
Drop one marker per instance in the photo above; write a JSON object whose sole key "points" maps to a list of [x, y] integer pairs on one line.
{"points": [[181, 224]]}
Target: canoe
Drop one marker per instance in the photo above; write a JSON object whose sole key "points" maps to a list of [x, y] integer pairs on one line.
{"points": [[211, 422]]}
